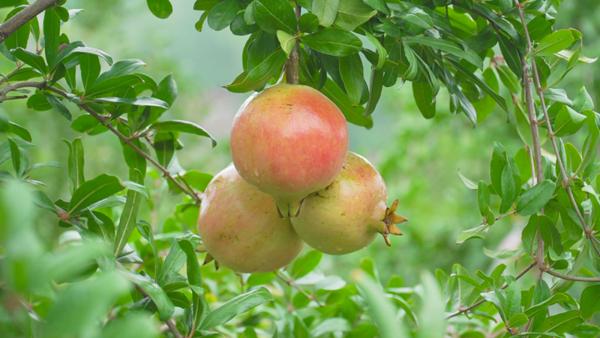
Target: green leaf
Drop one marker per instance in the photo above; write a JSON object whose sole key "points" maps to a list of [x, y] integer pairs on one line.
{"points": [[138, 101], [59, 106], [155, 292], [351, 72], [497, 165], [325, 10], [375, 88], [588, 301], [508, 188], [534, 199], [16, 129], [433, 324], [90, 69], [78, 47], [15, 155], [304, 264], [258, 76], [128, 219], [167, 90], [333, 41], [84, 305], [424, 98], [353, 13], [562, 322], [51, 27], [331, 326], [382, 54], [483, 198], [354, 114], [160, 8], [196, 179], [31, 59], [234, 307], [184, 127], [132, 324], [222, 14], [379, 5], [76, 163], [116, 71], [274, 15], [379, 308], [308, 23], [446, 46], [164, 146], [286, 41], [557, 41], [94, 190], [567, 121], [476, 232]]}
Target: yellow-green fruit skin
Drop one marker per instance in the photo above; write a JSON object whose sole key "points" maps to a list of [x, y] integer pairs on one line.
{"points": [[346, 215], [240, 226]]}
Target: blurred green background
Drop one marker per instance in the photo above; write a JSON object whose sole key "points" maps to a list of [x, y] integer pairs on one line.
{"points": [[420, 159]]}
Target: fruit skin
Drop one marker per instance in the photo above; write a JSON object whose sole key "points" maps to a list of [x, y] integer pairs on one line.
{"points": [[346, 215], [240, 226], [289, 141]]}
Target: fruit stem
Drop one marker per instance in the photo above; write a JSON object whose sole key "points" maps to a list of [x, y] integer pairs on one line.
{"points": [[292, 67]]}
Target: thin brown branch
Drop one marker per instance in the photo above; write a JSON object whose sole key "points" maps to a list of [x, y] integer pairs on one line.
{"points": [[292, 283], [173, 328], [481, 301], [292, 65], [22, 17], [10, 88], [565, 180], [106, 122], [572, 278]]}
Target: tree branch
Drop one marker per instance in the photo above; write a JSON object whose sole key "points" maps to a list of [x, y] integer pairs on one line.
{"points": [[105, 122], [572, 278], [292, 65], [22, 17], [27, 84], [563, 171], [481, 301]]}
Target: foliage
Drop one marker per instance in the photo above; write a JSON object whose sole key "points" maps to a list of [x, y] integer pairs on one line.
{"points": [[113, 273]]}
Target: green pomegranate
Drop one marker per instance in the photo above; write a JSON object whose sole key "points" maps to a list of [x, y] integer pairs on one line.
{"points": [[348, 214], [240, 226]]}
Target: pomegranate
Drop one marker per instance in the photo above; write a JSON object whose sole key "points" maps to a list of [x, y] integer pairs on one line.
{"points": [[289, 141], [347, 214], [240, 226]]}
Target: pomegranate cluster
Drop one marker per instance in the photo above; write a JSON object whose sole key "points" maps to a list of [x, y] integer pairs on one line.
{"points": [[292, 180]]}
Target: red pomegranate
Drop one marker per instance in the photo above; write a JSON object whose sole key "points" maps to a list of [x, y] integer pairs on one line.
{"points": [[289, 141], [347, 214], [240, 226]]}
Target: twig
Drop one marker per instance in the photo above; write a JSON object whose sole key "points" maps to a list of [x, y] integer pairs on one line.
{"points": [[27, 84], [572, 278], [105, 122], [293, 284], [564, 177], [22, 17], [481, 301], [173, 328], [292, 67]]}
